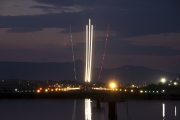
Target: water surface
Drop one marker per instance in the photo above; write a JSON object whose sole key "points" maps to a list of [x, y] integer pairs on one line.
{"points": [[69, 109]]}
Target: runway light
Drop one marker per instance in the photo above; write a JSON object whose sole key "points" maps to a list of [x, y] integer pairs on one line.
{"points": [[141, 91], [163, 91], [163, 80], [112, 85], [175, 83], [46, 90]]}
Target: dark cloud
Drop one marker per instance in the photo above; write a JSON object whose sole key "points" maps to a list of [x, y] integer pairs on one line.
{"points": [[119, 3], [45, 8], [127, 18], [69, 2]]}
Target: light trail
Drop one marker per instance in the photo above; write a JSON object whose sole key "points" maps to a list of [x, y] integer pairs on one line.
{"points": [[73, 54], [89, 51], [74, 110], [104, 53]]}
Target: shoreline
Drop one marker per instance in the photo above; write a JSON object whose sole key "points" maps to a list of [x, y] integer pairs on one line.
{"points": [[103, 96]]}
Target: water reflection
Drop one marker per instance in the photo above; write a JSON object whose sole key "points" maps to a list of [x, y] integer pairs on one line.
{"points": [[88, 111], [163, 111], [175, 111], [101, 114], [81, 109], [74, 110]]}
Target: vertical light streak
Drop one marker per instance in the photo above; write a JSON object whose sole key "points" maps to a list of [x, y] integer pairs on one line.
{"points": [[86, 69], [73, 54], [89, 51], [89, 47], [74, 110], [163, 110], [88, 109], [175, 111], [104, 53], [91, 44]]}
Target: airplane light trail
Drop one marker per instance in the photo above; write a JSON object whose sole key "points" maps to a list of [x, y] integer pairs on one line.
{"points": [[74, 109], [89, 51], [104, 53], [73, 54]]}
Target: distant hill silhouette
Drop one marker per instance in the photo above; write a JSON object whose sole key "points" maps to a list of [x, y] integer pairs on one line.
{"points": [[65, 71]]}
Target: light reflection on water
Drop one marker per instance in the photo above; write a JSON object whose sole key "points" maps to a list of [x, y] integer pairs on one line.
{"points": [[163, 111], [67, 109], [175, 111], [88, 109], [74, 111]]}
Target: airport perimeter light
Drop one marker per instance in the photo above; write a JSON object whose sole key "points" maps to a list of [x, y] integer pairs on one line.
{"points": [[163, 80], [112, 85]]}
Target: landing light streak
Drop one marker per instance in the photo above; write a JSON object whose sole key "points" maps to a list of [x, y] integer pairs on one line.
{"points": [[73, 54], [89, 51], [104, 53]]}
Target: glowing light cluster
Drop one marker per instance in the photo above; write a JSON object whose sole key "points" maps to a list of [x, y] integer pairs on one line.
{"points": [[163, 80], [112, 85], [89, 51]]}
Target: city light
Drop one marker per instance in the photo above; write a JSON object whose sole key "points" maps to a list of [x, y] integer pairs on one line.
{"points": [[112, 85], [163, 80], [163, 91], [175, 83], [46, 90]]}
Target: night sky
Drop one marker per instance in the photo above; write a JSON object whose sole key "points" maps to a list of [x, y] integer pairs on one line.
{"points": [[142, 32]]}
